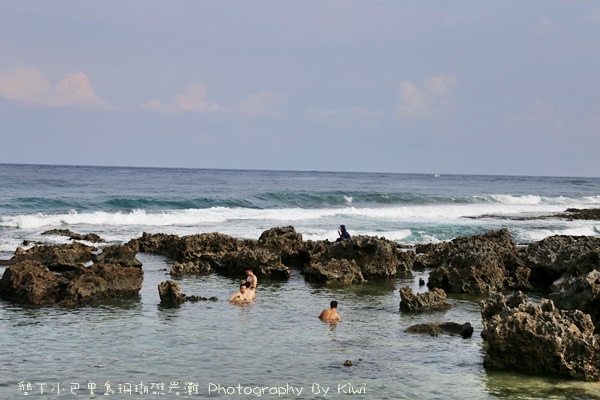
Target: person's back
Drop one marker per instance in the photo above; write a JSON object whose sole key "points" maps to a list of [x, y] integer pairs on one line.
{"points": [[330, 314]]}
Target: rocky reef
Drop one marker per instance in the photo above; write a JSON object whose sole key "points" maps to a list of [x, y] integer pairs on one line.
{"points": [[556, 336], [531, 338]]}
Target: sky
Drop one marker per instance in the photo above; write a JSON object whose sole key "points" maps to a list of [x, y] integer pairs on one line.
{"points": [[451, 87]]}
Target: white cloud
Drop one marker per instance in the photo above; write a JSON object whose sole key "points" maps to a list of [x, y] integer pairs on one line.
{"points": [[432, 100], [26, 85], [262, 103], [192, 99]]}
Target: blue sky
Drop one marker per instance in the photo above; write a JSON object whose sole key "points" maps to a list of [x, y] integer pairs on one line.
{"points": [[472, 87]]}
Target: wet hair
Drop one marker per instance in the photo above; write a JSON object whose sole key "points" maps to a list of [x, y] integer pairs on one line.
{"points": [[243, 285], [333, 304], [247, 284]]}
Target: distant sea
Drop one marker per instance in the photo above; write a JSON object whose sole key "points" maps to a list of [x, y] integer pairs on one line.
{"points": [[135, 347]]}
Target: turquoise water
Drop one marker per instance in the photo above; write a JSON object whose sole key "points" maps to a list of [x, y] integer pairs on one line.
{"points": [[125, 347]]}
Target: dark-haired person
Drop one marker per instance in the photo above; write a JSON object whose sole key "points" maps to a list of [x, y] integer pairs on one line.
{"points": [[245, 295], [250, 277], [330, 314], [344, 234]]}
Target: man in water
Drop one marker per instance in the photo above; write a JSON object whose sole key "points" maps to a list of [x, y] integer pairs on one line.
{"points": [[245, 295], [251, 278], [344, 234], [330, 314]]}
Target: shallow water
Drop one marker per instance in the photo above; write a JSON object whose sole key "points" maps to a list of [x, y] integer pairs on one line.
{"points": [[127, 346], [271, 345]]}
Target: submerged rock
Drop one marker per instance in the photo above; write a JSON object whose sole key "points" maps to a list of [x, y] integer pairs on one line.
{"points": [[170, 295], [437, 328], [89, 237], [539, 338]]}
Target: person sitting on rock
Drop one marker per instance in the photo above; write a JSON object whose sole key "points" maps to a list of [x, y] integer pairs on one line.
{"points": [[344, 234], [245, 295], [330, 314]]}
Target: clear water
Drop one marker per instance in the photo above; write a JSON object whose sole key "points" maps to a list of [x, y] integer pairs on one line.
{"points": [[276, 342]]}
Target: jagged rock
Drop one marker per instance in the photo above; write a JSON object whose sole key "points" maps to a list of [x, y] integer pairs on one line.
{"points": [[436, 328], [262, 262], [224, 254], [170, 295], [102, 281], [577, 213], [337, 272], [30, 282], [189, 268], [116, 254], [90, 237], [480, 264], [376, 257], [195, 298], [539, 338], [286, 243], [579, 287], [551, 257], [434, 300], [208, 247], [59, 257]]}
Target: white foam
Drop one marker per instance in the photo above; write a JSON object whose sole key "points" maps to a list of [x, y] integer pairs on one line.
{"points": [[539, 234], [510, 199], [220, 215]]}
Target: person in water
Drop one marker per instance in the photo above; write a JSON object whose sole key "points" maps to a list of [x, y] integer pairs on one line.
{"points": [[344, 234], [251, 278], [245, 295], [330, 314]]}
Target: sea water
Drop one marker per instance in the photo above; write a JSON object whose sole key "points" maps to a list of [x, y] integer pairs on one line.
{"points": [[275, 347]]}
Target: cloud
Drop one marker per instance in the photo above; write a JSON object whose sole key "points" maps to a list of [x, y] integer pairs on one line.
{"points": [[26, 85], [263, 103], [432, 100], [192, 99]]}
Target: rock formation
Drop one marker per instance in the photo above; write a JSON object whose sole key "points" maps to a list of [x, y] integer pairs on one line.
{"points": [[480, 264], [170, 294], [437, 328], [30, 282], [539, 338], [434, 300]]}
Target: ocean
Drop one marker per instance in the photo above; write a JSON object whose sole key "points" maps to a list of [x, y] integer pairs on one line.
{"points": [[275, 347]]}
